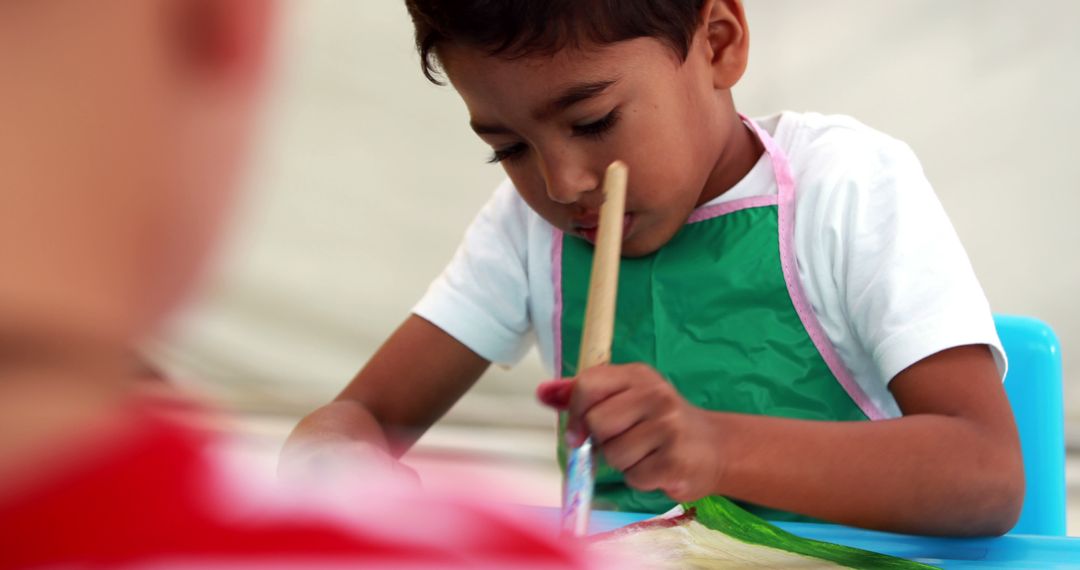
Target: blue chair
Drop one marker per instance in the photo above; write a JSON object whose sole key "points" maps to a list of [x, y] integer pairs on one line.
{"points": [[1034, 387]]}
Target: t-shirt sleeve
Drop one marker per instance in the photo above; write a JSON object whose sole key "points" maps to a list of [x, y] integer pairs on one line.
{"points": [[905, 281], [481, 297]]}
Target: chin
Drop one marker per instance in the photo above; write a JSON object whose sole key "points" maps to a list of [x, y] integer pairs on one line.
{"points": [[646, 239], [640, 247]]}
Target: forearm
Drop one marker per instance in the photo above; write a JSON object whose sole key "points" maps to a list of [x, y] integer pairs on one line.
{"points": [[927, 474], [340, 421], [407, 385]]}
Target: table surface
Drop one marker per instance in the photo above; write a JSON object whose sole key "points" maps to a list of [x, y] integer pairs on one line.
{"points": [[1009, 551]]}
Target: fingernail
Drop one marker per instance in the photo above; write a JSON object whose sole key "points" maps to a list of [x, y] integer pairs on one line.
{"points": [[555, 393], [574, 437]]}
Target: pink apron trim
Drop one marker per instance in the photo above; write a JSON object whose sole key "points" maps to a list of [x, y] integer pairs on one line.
{"points": [[724, 208], [785, 212], [556, 284]]}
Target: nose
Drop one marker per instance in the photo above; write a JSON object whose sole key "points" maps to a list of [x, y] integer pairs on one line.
{"points": [[568, 178]]}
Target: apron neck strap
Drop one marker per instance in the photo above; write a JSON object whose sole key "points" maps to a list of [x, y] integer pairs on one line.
{"points": [[785, 182]]}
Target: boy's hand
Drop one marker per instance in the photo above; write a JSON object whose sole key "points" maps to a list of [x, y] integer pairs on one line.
{"points": [[643, 427], [354, 460]]}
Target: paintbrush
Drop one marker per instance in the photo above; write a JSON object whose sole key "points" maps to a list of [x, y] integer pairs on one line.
{"points": [[596, 340]]}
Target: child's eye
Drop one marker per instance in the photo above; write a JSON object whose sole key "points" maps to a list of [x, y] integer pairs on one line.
{"points": [[508, 153], [598, 128]]}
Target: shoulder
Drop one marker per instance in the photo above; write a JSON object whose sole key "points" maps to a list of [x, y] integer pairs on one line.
{"points": [[843, 166], [876, 248], [838, 149], [505, 222], [818, 134], [505, 208], [482, 296]]}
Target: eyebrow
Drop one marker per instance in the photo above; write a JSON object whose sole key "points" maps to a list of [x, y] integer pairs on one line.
{"points": [[569, 97], [482, 129], [575, 94]]}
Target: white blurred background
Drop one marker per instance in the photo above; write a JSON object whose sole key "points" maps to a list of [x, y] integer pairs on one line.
{"points": [[366, 177]]}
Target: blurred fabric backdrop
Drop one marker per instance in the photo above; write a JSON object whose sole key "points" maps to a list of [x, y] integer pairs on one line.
{"points": [[366, 176]]}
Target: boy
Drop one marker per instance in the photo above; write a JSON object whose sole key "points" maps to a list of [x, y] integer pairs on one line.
{"points": [[785, 281]]}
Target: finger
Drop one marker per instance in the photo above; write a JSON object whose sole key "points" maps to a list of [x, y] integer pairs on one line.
{"points": [[328, 459], [660, 470], [555, 393], [576, 432], [620, 412], [647, 474], [633, 446], [593, 386], [374, 462], [405, 473]]}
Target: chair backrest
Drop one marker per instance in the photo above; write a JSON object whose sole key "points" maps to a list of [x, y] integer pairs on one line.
{"points": [[1033, 384]]}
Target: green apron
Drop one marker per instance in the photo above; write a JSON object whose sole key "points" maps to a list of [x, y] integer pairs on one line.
{"points": [[719, 312]]}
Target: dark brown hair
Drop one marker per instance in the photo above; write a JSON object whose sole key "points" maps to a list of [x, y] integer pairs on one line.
{"points": [[518, 28]]}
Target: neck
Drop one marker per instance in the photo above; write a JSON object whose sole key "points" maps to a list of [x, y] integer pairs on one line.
{"points": [[738, 156]]}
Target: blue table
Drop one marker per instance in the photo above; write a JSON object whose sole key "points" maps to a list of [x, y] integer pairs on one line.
{"points": [[1009, 551]]}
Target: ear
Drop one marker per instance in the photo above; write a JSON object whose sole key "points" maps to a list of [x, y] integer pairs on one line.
{"points": [[727, 40], [222, 40]]}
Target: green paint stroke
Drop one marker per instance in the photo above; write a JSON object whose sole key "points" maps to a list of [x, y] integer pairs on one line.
{"points": [[720, 514]]}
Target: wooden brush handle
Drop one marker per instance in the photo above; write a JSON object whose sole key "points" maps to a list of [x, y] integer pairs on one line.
{"points": [[603, 282]]}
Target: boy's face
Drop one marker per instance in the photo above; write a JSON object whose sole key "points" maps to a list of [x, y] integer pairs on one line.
{"points": [[556, 123]]}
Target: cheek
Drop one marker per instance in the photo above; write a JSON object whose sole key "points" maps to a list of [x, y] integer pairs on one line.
{"points": [[531, 187], [662, 158]]}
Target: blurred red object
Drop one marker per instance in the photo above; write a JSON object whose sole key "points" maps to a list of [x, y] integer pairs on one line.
{"points": [[156, 495]]}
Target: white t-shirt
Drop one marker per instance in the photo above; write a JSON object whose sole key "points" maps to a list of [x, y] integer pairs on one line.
{"points": [[878, 259]]}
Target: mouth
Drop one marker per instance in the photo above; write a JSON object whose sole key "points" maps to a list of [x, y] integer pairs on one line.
{"points": [[589, 227]]}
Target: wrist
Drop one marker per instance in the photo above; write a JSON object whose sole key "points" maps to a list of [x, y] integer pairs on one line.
{"points": [[339, 422], [722, 462]]}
